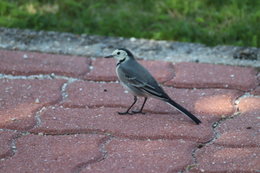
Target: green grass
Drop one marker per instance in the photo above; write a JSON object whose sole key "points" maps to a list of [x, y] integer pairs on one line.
{"points": [[212, 22]]}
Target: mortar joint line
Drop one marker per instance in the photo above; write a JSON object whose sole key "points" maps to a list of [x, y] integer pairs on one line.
{"points": [[214, 126], [104, 141]]}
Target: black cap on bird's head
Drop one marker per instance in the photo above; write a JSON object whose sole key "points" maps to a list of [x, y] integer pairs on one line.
{"points": [[121, 53], [127, 51]]}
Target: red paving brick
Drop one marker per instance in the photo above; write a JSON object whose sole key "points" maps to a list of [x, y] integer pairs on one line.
{"points": [[104, 70], [239, 138], [209, 103], [21, 98], [85, 133], [248, 104], [194, 75], [52, 153], [216, 158], [144, 156], [33, 63], [237, 147], [84, 93], [241, 131], [256, 91], [5, 143], [151, 126]]}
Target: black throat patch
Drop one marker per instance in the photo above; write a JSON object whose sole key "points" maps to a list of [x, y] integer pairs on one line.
{"points": [[120, 61]]}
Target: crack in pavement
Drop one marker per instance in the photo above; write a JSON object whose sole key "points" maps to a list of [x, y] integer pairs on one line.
{"points": [[114, 134], [97, 106], [38, 117], [103, 155], [12, 144], [172, 67], [117, 135], [73, 79], [103, 152], [216, 135], [37, 76], [65, 86]]}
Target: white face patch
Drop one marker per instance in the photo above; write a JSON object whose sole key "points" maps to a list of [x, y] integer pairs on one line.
{"points": [[120, 54]]}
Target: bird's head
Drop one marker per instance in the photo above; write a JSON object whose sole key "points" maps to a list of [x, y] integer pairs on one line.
{"points": [[121, 55]]}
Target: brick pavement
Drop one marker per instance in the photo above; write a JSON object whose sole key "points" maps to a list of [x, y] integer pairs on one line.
{"points": [[59, 114]]}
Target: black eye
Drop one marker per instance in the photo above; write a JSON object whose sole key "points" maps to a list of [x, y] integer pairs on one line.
{"points": [[118, 53]]}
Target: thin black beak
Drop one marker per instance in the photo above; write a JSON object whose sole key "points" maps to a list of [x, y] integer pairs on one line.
{"points": [[109, 56]]}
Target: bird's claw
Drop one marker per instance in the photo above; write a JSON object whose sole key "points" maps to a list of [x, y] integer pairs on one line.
{"points": [[125, 113], [138, 112]]}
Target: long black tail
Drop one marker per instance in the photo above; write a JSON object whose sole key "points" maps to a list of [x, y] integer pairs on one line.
{"points": [[183, 110]]}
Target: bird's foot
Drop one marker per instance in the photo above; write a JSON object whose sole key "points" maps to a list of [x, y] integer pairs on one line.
{"points": [[125, 113], [138, 112]]}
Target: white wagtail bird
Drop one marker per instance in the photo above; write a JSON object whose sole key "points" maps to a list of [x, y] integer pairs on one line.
{"points": [[138, 81]]}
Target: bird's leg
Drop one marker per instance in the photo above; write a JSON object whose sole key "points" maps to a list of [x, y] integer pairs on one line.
{"points": [[127, 111], [141, 110]]}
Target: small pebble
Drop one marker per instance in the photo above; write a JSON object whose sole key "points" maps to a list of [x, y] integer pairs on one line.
{"points": [[37, 100], [25, 56]]}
